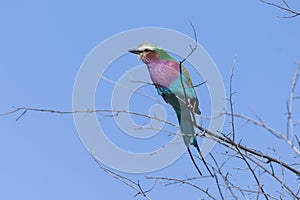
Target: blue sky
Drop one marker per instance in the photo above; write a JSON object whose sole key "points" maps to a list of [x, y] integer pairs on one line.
{"points": [[43, 44]]}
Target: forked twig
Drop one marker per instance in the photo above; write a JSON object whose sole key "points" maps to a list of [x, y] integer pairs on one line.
{"points": [[127, 181], [287, 8], [290, 132], [185, 182], [210, 135]]}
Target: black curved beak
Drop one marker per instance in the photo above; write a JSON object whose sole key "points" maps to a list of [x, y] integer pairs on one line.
{"points": [[135, 51]]}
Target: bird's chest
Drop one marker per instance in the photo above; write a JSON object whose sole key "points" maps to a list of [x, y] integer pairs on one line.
{"points": [[162, 75]]}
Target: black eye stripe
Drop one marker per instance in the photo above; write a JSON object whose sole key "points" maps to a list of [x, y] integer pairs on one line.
{"points": [[147, 50]]}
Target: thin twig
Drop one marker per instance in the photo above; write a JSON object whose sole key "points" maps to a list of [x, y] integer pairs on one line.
{"points": [[216, 177], [199, 84], [195, 46], [274, 132], [231, 100], [253, 173], [127, 181], [273, 175], [128, 88], [229, 143], [286, 8], [210, 135], [183, 181], [224, 177], [291, 132]]}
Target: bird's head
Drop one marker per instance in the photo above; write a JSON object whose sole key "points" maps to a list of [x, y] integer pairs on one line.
{"points": [[148, 52]]}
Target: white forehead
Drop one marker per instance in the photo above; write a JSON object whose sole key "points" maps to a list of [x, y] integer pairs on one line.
{"points": [[145, 46]]}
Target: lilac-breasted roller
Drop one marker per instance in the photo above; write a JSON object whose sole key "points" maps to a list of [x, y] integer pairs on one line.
{"points": [[174, 84]]}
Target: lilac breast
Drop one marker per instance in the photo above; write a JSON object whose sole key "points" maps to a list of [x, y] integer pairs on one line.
{"points": [[163, 72]]}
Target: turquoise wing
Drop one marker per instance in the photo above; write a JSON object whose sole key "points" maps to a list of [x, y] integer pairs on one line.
{"points": [[177, 89]]}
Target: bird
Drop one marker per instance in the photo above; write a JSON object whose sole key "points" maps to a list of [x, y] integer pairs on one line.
{"points": [[172, 81]]}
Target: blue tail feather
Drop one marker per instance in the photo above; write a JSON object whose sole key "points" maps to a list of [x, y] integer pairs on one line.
{"points": [[186, 126]]}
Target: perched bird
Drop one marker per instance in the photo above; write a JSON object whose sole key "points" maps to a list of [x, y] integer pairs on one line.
{"points": [[174, 84]]}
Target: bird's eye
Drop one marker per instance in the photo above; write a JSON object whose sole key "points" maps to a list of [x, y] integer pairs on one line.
{"points": [[147, 50]]}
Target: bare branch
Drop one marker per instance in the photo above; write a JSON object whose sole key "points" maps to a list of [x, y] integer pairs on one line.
{"points": [[231, 100], [269, 129], [193, 48], [291, 133], [209, 134], [130, 183], [183, 181], [230, 144], [287, 8], [128, 88], [273, 175], [216, 177], [199, 84], [253, 173], [116, 112]]}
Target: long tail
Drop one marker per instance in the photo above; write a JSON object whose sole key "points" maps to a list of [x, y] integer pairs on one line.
{"points": [[186, 126], [202, 158], [192, 158], [189, 136]]}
